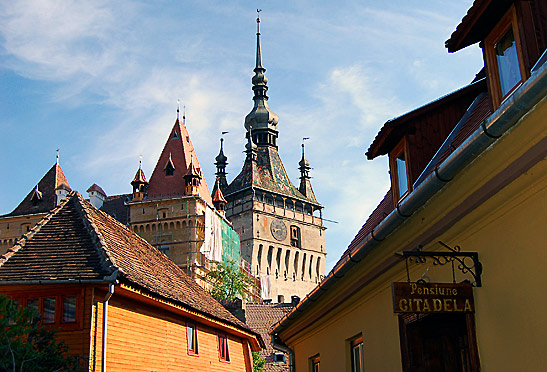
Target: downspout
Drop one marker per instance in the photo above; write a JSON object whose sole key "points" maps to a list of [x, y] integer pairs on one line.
{"points": [[284, 349], [105, 322]]}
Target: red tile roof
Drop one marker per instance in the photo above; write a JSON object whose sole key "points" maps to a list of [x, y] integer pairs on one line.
{"points": [[477, 23], [53, 179], [180, 150], [96, 188], [260, 318], [76, 242], [139, 177]]}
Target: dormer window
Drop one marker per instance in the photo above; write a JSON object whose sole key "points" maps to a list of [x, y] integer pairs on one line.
{"points": [[169, 167], [398, 164], [504, 57]]}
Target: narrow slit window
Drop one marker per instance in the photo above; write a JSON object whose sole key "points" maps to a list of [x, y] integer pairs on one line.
{"points": [[223, 352], [192, 334]]}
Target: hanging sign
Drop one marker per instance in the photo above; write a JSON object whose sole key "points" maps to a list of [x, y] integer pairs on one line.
{"points": [[433, 298]]}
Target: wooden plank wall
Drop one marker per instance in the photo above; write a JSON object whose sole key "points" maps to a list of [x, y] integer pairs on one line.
{"points": [[143, 338], [76, 339]]}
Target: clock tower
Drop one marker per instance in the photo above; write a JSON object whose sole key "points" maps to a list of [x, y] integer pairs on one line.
{"points": [[280, 226]]}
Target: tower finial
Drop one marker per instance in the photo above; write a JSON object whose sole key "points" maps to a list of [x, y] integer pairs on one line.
{"points": [[258, 48], [140, 161], [261, 118], [184, 115], [178, 108], [57, 157]]}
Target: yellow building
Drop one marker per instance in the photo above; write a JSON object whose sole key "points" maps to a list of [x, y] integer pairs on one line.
{"points": [[447, 273]]}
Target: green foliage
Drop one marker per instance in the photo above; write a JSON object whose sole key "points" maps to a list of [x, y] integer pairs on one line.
{"points": [[25, 346], [228, 282], [258, 361]]}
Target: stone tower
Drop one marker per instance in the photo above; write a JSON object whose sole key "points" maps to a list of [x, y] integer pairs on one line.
{"points": [[280, 226], [174, 210]]}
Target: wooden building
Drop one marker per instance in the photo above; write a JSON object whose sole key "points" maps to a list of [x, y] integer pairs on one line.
{"points": [[119, 303], [446, 273]]}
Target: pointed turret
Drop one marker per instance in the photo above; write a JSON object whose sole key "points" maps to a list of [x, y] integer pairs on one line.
{"points": [[140, 184], [305, 184], [168, 180], [261, 119], [251, 149], [192, 179], [221, 163], [218, 198]]}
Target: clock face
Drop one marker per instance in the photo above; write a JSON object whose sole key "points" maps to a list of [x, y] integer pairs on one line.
{"points": [[278, 229]]}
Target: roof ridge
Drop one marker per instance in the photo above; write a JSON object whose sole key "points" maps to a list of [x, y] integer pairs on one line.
{"points": [[20, 243], [82, 207]]}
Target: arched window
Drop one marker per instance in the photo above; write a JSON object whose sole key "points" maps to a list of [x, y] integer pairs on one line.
{"points": [[303, 266], [259, 258], [270, 253], [318, 268], [295, 265]]}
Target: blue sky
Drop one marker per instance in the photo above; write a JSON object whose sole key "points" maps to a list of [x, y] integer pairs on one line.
{"points": [[100, 81]]}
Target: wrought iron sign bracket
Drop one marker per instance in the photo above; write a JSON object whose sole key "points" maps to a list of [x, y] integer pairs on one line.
{"points": [[466, 262]]}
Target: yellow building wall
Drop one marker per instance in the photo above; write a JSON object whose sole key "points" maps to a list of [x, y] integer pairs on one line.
{"points": [[12, 228], [509, 231]]}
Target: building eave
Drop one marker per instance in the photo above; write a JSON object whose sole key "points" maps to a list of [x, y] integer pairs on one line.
{"points": [[503, 120]]}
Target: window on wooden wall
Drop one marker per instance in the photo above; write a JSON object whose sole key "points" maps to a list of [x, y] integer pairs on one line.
{"points": [[60, 308], [357, 358], [504, 59], [398, 164], [223, 353], [192, 337]]}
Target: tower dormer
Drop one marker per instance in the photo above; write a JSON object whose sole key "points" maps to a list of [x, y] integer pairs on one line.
{"points": [[192, 179], [140, 185]]}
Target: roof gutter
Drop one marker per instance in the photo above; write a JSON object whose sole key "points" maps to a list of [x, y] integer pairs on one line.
{"points": [[107, 279], [284, 349], [504, 118]]}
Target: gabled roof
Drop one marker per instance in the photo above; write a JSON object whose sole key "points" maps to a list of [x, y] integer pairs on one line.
{"points": [[477, 23], [77, 242], [96, 188], [268, 173], [394, 129], [53, 179], [180, 151]]}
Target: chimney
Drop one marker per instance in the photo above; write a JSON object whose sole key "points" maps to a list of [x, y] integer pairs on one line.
{"points": [[96, 196], [61, 192]]}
